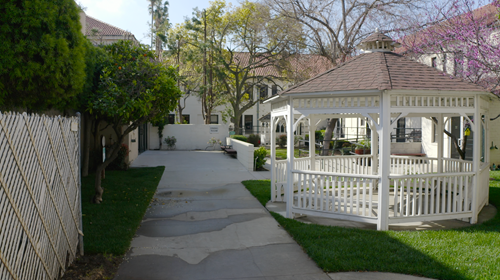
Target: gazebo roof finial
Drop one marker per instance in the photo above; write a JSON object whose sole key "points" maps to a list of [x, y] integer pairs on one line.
{"points": [[378, 42]]}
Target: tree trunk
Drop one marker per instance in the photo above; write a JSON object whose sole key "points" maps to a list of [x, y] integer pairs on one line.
{"points": [[179, 110], [237, 128], [97, 185], [97, 141], [97, 199], [461, 150], [86, 144], [328, 136]]}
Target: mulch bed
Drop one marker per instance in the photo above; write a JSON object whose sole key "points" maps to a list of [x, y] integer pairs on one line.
{"points": [[93, 267]]}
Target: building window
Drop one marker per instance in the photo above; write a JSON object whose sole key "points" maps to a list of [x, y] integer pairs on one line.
{"points": [[171, 119], [248, 123], [186, 119], [214, 119], [401, 130], [458, 65], [274, 89], [249, 91], [434, 62], [263, 91]]}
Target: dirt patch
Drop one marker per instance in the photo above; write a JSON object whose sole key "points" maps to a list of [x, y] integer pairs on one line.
{"points": [[93, 267]]}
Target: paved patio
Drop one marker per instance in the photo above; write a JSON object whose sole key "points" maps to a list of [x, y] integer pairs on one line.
{"points": [[204, 224]]}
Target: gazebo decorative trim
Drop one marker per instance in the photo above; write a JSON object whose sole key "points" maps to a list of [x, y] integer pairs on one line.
{"points": [[381, 87]]}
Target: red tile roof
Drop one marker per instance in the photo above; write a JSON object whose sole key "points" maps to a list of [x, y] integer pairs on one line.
{"points": [[104, 29], [305, 65], [381, 71]]}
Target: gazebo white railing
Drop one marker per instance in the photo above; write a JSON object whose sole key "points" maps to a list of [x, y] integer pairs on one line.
{"points": [[428, 196]]}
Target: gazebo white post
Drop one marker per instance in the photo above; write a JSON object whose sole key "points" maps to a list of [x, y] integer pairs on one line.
{"points": [[273, 158], [374, 150], [476, 153], [289, 153], [440, 142], [312, 142], [385, 162]]}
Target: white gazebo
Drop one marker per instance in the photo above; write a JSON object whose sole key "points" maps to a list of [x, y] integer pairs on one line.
{"points": [[382, 87]]}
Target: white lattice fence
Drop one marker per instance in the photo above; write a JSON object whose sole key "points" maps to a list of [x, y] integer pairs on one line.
{"points": [[39, 195]]}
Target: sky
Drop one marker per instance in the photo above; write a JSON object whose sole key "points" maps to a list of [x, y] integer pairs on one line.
{"points": [[133, 15]]}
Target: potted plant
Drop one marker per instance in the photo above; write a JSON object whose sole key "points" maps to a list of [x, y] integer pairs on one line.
{"points": [[365, 147]]}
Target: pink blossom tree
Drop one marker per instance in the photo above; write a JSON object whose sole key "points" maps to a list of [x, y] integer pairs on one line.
{"points": [[466, 39]]}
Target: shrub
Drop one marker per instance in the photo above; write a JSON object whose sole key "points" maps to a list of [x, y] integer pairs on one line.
{"points": [[340, 144], [319, 134], [170, 141], [259, 157], [282, 140], [240, 137], [254, 139], [120, 162]]}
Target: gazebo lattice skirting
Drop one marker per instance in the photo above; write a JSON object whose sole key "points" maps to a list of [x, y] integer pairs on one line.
{"points": [[382, 87]]}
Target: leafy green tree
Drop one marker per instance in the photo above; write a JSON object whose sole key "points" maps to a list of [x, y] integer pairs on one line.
{"points": [[189, 47], [42, 54], [95, 58], [252, 42], [134, 88]]}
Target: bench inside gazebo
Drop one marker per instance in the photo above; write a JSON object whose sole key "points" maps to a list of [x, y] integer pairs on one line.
{"points": [[381, 87]]}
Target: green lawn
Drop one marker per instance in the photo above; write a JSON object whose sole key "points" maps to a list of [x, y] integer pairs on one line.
{"points": [[468, 253], [110, 226], [281, 153]]}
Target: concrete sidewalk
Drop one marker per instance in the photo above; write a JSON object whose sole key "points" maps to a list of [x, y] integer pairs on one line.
{"points": [[204, 224]]}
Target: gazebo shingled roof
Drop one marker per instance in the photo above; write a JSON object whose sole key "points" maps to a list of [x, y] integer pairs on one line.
{"points": [[382, 71], [377, 36]]}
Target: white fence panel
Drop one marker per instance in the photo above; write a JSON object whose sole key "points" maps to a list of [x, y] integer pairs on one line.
{"points": [[336, 195], [39, 195], [278, 187], [432, 195]]}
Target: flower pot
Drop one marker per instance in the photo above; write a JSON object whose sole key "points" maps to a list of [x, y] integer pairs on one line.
{"points": [[362, 151]]}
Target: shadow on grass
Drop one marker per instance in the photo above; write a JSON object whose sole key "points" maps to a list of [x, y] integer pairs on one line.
{"points": [[466, 253], [110, 226], [337, 249]]}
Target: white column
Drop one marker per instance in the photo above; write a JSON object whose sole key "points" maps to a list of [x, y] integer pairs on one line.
{"points": [[385, 162], [476, 156], [312, 142], [374, 140], [440, 142], [289, 152], [273, 158]]}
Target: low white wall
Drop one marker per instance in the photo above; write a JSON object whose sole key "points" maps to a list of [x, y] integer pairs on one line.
{"points": [[406, 148], [244, 152], [189, 136], [133, 144]]}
